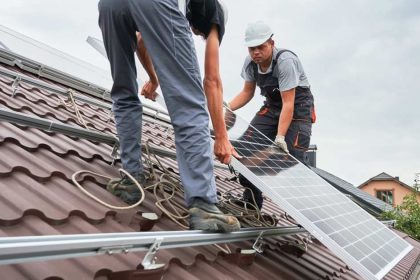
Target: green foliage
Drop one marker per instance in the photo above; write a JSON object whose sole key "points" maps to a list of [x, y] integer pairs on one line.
{"points": [[407, 216]]}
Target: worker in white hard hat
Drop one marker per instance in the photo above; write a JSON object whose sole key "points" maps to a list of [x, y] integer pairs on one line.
{"points": [[166, 50], [288, 112]]}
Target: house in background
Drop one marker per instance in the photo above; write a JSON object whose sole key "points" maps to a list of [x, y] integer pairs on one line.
{"points": [[388, 189]]}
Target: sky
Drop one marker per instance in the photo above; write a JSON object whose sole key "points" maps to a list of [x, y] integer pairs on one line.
{"points": [[361, 57]]}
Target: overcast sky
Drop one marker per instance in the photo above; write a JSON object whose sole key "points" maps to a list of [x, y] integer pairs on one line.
{"points": [[361, 57]]}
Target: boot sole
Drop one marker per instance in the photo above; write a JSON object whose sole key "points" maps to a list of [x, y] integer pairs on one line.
{"points": [[211, 222]]}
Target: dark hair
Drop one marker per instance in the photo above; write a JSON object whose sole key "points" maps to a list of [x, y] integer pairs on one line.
{"points": [[197, 16], [202, 14]]}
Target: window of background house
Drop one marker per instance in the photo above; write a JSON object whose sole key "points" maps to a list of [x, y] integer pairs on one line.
{"points": [[387, 196]]}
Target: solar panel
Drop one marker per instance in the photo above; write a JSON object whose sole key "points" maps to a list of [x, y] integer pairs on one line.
{"points": [[360, 240], [51, 57], [3, 46]]}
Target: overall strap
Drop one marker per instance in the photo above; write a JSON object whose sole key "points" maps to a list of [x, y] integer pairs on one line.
{"points": [[255, 66], [278, 55]]}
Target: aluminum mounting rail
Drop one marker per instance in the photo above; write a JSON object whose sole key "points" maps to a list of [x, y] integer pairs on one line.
{"points": [[15, 250], [149, 110], [70, 130], [54, 126], [53, 88], [13, 59]]}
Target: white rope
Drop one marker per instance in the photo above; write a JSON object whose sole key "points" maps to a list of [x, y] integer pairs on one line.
{"points": [[73, 104], [74, 179]]}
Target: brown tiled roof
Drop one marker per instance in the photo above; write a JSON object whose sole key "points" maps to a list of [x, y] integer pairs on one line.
{"points": [[37, 197]]}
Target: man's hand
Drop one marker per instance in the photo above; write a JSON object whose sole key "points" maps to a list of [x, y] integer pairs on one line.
{"points": [[223, 150], [281, 143], [149, 90]]}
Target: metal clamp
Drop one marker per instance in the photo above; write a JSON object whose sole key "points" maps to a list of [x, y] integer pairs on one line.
{"points": [[40, 70], [15, 85], [167, 132], [114, 153], [259, 243], [232, 170], [18, 63], [149, 261], [114, 250], [111, 113], [105, 94]]}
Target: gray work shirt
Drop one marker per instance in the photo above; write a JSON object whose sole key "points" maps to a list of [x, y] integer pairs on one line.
{"points": [[288, 71]]}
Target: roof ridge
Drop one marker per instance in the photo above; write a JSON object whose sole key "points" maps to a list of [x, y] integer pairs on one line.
{"points": [[383, 175]]}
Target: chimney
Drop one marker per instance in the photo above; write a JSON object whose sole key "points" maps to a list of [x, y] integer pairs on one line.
{"points": [[397, 178], [310, 156]]}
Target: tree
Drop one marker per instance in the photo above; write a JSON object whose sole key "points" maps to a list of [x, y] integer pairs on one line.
{"points": [[407, 216]]}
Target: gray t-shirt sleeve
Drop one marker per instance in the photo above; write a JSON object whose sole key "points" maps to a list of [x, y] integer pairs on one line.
{"points": [[247, 72], [288, 74]]}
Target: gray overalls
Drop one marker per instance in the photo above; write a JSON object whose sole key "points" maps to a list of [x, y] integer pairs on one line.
{"points": [[267, 119], [167, 36]]}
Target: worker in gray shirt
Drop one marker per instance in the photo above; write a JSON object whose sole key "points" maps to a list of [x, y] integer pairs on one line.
{"points": [[288, 111]]}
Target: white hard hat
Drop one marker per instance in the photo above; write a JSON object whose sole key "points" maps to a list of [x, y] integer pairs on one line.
{"points": [[225, 11], [257, 33]]}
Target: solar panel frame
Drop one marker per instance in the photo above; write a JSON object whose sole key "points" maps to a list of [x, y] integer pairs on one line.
{"points": [[350, 236]]}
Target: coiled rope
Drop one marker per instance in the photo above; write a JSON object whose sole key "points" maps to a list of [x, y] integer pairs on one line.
{"points": [[74, 179]]}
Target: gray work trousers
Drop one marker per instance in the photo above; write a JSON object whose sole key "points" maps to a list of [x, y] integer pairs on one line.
{"points": [[168, 39], [298, 135]]}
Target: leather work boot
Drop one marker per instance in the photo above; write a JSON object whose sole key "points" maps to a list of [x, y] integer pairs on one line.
{"points": [[125, 188], [206, 216]]}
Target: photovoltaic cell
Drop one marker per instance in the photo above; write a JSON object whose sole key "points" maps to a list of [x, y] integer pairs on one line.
{"points": [[360, 240]]}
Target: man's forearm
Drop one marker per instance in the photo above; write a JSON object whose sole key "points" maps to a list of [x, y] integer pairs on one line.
{"points": [[286, 115], [240, 100], [145, 60], [212, 84], [212, 89], [285, 119]]}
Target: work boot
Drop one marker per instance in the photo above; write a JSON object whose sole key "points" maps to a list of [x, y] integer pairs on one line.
{"points": [[125, 188], [206, 216]]}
